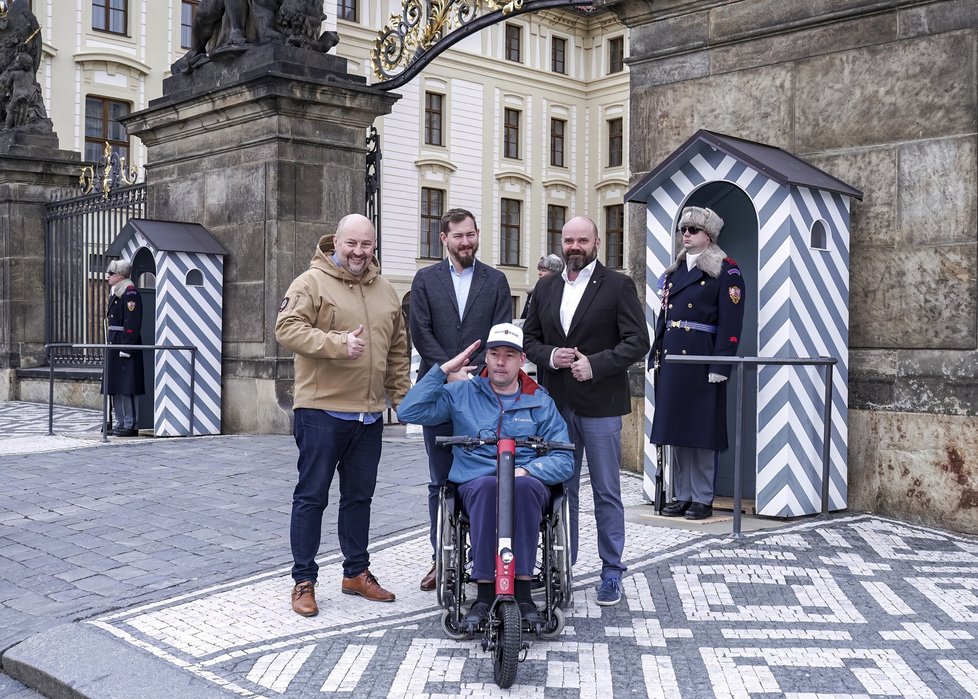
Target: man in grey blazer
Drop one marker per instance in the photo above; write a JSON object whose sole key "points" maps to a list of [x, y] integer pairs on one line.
{"points": [[453, 303]]}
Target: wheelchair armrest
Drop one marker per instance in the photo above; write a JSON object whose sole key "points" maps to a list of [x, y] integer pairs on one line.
{"points": [[557, 494]]}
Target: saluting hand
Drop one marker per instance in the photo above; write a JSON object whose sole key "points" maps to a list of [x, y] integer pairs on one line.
{"points": [[355, 345], [581, 367], [456, 366]]}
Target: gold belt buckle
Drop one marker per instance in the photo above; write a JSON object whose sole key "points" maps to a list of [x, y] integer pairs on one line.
{"points": [[676, 323]]}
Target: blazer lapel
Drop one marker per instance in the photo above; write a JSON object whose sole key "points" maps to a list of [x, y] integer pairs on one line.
{"points": [[444, 275], [593, 285]]}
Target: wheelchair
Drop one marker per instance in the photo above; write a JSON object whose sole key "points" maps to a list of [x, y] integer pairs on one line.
{"points": [[552, 571]]}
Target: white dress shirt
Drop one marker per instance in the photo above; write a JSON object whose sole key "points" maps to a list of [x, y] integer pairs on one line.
{"points": [[571, 298]]}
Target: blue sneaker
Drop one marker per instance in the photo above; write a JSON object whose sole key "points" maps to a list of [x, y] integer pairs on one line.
{"points": [[609, 592]]}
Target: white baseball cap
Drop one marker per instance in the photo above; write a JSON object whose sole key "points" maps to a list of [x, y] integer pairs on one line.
{"points": [[505, 335]]}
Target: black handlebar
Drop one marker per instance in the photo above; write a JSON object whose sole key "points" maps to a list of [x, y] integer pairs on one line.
{"points": [[534, 442]]}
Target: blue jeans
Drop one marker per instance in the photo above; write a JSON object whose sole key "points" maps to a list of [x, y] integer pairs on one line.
{"points": [[439, 464], [479, 501], [327, 445], [600, 437]]}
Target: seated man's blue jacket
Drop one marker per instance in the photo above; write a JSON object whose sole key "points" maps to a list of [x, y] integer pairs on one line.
{"points": [[475, 411]]}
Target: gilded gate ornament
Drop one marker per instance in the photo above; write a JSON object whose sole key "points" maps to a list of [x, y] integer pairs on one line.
{"points": [[109, 172], [424, 28]]}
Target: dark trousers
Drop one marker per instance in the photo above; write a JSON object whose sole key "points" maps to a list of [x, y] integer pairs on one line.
{"points": [[328, 445], [439, 464], [479, 501]]}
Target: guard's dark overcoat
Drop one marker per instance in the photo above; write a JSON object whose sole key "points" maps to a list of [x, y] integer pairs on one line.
{"points": [[124, 375], [690, 411]]}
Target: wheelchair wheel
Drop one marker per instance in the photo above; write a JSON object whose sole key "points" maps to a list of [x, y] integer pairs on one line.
{"points": [[506, 654], [562, 554], [445, 558], [451, 628], [555, 627]]}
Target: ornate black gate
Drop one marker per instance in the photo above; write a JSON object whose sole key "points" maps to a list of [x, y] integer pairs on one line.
{"points": [[78, 230]]}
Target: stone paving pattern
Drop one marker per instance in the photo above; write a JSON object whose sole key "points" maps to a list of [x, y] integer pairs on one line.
{"points": [[179, 548]]}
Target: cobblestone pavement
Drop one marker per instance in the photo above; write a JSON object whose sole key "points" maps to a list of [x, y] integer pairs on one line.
{"points": [[178, 550]]}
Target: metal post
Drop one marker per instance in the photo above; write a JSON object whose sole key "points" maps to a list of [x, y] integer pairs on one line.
{"points": [[193, 376], [826, 440], [105, 395], [50, 392], [738, 428]]}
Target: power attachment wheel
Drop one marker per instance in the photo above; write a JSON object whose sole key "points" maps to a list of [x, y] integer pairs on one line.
{"points": [[509, 643]]}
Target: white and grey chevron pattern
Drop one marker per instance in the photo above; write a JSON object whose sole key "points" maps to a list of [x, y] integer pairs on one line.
{"points": [[803, 301], [188, 315]]}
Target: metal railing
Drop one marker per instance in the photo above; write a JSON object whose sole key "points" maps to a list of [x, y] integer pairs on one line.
{"points": [[740, 363], [105, 396]]}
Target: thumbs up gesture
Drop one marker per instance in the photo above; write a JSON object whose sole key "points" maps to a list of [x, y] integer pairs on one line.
{"points": [[581, 367], [355, 345]]}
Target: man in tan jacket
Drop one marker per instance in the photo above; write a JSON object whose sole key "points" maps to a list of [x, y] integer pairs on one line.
{"points": [[343, 322]]}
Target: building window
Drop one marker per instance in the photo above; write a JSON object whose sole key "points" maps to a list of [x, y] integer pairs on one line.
{"points": [[514, 38], [819, 235], [558, 55], [110, 16], [432, 209], [188, 10], [511, 133], [509, 231], [102, 124], [614, 235], [433, 118], [556, 218], [616, 54], [557, 128], [615, 142], [346, 9]]}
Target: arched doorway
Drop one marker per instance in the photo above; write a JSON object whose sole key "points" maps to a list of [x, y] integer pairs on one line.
{"points": [[144, 277], [739, 240]]}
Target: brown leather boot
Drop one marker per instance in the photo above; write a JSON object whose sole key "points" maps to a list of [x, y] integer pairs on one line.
{"points": [[428, 581], [304, 598], [366, 585]]}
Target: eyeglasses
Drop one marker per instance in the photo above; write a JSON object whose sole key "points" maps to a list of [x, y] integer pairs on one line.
{"points": [[690, 229]]}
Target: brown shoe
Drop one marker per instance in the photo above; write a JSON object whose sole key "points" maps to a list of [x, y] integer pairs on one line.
{"points": [[366, 585], [428, 581], [304, 598]]}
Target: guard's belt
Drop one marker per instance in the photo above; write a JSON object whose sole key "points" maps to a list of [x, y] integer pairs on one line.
{"points": [[690, 325], [117, 327]]}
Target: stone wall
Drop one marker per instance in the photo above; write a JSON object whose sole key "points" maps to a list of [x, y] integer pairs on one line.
{"points": [[883, 95]]}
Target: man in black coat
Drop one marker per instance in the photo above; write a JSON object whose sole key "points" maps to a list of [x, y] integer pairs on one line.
{"points": [[453, 303], [584, 329], [703, 299], [123, 378]]}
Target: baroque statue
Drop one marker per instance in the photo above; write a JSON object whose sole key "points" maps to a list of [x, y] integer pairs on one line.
{"points": [[20, 56], [229, 27]]}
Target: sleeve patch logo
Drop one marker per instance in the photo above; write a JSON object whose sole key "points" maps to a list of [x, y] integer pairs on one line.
{"points": [[734, 270], [131, 305], [734, 292], [285, 304]]}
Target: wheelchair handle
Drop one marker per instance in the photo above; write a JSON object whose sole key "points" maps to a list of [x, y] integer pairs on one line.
{"points": [[538, 443]]}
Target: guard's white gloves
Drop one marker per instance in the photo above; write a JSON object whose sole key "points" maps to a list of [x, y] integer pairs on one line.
{"points": [[716, 378], [124, 355]]}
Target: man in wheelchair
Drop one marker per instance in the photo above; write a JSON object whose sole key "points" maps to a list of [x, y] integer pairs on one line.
{"points": [[502, 401]]}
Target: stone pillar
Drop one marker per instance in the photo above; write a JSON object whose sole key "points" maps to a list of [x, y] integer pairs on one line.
{"points": [[31, 167], [267, 152]]}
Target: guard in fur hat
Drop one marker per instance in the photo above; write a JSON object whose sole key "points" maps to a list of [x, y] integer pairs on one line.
{"points": [[123, 378], [702, 314]]}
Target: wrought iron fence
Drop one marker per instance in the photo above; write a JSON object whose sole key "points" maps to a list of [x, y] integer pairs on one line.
{"points": [[78, 231]]}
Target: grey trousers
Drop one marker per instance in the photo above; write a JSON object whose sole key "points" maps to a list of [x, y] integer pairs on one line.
{"points": [[692, 474], [124, 406]]}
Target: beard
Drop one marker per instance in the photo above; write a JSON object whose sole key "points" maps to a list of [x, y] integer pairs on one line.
{"points": [[576, 260], [465, 258]]}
